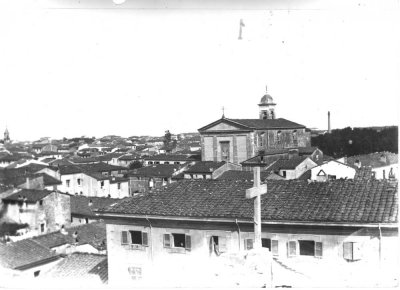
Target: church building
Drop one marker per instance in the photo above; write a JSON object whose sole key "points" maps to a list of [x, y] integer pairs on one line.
{"points": [[237, 140]]}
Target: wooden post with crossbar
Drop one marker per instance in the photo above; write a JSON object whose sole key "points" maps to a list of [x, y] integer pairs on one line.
{"points": [[256, 191]]}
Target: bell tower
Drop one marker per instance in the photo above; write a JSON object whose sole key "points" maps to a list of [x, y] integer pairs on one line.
{"points": [[267, 107], [6, 136]]}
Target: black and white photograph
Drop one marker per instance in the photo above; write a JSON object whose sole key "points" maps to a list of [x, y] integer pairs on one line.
{"points": [[162, 144]]}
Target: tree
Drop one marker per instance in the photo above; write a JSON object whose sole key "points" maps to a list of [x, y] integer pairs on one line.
{"points": [[167, 138], [135, 164]]}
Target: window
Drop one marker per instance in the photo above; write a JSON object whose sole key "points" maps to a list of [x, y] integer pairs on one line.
{"points": [[306, 248], [292, 248], [294, 135], [177, 241], [331, 177], [351, 251], [102, 184], [36, 273], [261, 140], [67, 182], [119, 185], [248, 244], [40, 202], [284, 173], [272, 245], [224, 150], [135, 273], [42, 228], [218, 245], [134, 238], [278, 137], [79, 181], [204, 176], [87, 220], [166, 162]]}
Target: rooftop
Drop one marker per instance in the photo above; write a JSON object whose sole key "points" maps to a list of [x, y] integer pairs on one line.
{"points": [[30, 195], [80, 205], [78, 268], [290, 163], [170, 157], [205, 167], [339, 201], [159, 170], [24, 254]]}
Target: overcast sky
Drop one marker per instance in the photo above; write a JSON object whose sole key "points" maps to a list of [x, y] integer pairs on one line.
{"points": [[72, 68]]}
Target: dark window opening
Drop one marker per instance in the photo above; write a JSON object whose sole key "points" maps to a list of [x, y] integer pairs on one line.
{"points": [[179, 240], [284, 173], [87, 220], [40, 202], [136, 237], [331, 177], [119, 185], [42, 228], [266, 243], [36, 273], [307, 248], [204, 176], [166, 162]]}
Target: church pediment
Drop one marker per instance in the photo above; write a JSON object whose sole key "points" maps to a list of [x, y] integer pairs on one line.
{"points": [[223, 125]]}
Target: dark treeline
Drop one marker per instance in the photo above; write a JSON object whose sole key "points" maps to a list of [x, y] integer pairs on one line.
{"points": [[350, 142]]}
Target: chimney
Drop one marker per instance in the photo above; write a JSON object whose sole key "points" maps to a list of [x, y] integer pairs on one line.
{"points": [[329, 122], [357, 163], [28, 183]]}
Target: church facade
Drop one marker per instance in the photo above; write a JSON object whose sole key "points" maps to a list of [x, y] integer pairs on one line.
{"points": [[236, 140]]}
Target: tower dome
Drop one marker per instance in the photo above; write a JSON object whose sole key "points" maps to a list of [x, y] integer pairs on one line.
{"points": [[266, 107], [266, 99]]}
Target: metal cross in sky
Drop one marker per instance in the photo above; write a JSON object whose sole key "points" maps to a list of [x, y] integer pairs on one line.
{"points": [[241, 24], [256, 191]]}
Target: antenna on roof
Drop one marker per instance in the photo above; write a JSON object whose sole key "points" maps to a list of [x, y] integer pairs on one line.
{"points": [[223, 112]]}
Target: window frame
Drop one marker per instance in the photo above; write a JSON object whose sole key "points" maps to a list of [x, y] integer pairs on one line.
{"points": [[169, 242]]}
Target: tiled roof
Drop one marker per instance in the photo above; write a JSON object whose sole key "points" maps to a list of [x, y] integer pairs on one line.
{"points": [[374, 159], [31, 195], [159, 170], [129, 157], [364, 173], [291, 163], [339, 201], [118, 179], [306, 175], [80, 267], [24, 254], [108, 157], [93, 234], [268, 124], [170, 157], [80, 204], [241, 175], [79, 160], [205, 167], [100, 167], [97, 176], [69, 169]]}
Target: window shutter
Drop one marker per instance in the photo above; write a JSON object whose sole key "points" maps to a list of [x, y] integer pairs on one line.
{"points": [[124, 237], [145, 239], [348, 250], [357, 255], [188, 242], [248, 244], [274, 247], [318, 249], [167, 241], [222, 244], [291, 248]]}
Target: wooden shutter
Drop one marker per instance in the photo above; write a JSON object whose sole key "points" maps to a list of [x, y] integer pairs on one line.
{"points": [[357, 254], [145, 239], [318, 249], [348, 250], [188, 242], [124, 237], [248, 244], [222, 244], [167, 241], [292, 248], [274, 247]]}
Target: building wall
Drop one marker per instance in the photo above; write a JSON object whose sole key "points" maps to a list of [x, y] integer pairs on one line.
{"points": [[121, 257], [333, 168], [383, 172]]}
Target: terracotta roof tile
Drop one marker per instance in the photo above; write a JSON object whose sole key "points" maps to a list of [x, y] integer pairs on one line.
{"points": [[24, 253], [346, 201], [205, 167]]}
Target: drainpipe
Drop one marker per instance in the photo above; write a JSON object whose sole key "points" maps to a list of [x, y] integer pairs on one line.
{"points": [[238, 231], [151, 237], [380, 244]]}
